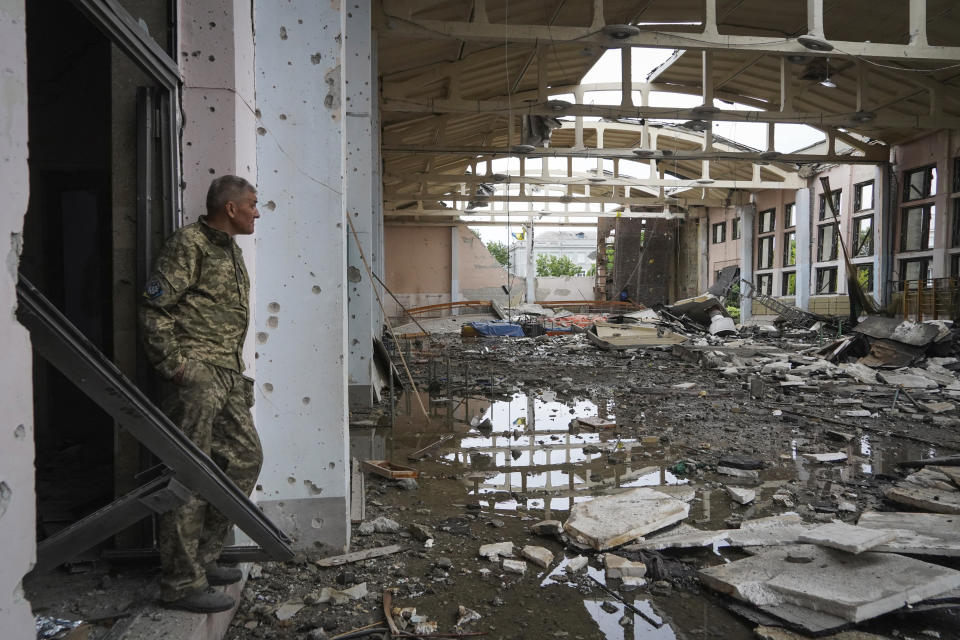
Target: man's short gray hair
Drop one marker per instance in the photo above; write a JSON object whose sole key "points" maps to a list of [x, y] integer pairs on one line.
{"points": [[224, 189]]}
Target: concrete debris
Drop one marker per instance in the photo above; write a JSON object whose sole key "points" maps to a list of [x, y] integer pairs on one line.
{"points": [[337, 596], [847, 537], [825, 457], [379, 525], [906, 380], [576, 563], [547, 528], [537, 555], [629, 583], [932, 534], [763, 532], [738, 473], [465, 615], [932, 488], [609, 521], [852, 587], [289, 609], [494, 551], [740, 495], [779, 633], [514, 566], [618, 567]]}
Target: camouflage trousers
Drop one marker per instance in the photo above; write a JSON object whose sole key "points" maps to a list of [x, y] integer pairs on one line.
{"points": [[211, 405]]}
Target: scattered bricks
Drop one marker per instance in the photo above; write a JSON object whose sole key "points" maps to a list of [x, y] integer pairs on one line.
{"points": [[738, 473], [515, 566], [618, 567], [547, 528], [576, 563], [537, 555], [741, 496], [493, 552]]}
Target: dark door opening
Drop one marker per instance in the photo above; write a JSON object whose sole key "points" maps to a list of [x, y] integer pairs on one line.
{"points": [[68, 250]]}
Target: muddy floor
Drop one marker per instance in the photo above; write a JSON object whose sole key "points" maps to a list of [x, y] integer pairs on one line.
{"points": [[512, 454]]}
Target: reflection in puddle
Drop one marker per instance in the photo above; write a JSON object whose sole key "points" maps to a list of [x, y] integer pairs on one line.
{"points": [[640, 629], [527, 445]]}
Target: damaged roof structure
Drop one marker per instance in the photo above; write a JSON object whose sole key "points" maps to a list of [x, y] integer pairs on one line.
{"points": [[711, 421]]}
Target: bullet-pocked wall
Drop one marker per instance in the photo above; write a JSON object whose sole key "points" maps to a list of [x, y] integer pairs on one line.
{"points": [[301, 330], [17, 496]]}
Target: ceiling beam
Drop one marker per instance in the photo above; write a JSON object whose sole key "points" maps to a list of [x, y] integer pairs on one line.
{"points": [[502, 107], [558, 152], [538, 216], [791, 182], [397, 26]]}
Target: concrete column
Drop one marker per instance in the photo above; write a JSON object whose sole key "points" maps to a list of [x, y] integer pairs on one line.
{"points": [[358, 191], [703, 241], [454, 264], [219, 121], [747, 215], [377, 184], [883, 220], [301, 405], [804, 249], [531, 270], [17, 494]]}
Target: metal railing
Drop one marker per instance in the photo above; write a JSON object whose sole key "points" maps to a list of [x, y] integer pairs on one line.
{"points": [[928, 299]]}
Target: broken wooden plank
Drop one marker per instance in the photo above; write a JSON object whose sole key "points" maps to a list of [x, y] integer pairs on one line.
{"points": [[387, 469], [357, 556]]}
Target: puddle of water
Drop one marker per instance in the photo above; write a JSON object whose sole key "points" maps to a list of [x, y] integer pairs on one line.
{"points": [[640, 629]]}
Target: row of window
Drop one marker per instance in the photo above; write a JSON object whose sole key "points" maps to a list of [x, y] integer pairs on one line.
{"points": [[825, 281]]}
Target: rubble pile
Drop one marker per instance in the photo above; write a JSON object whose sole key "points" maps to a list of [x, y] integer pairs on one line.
{"points": [[780, 482]]}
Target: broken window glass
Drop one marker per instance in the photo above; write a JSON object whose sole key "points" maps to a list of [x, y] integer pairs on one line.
{"points": [[827, 242], [827, 280], [789, 285], [765, 253], [863, 237], [916, 228], [789, 248], [920, 183]]}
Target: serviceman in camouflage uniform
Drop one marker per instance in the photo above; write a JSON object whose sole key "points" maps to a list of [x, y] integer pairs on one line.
{"points": [[194, 317]]}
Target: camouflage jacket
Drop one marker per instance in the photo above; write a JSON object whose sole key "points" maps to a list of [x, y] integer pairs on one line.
{"points": [[196, 304]]}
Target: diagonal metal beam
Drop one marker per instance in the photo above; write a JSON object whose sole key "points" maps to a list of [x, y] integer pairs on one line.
{"points": [[67, 349]]}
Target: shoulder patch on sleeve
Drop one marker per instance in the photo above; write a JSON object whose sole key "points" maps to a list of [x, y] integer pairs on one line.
{"points": [[153, 290]]}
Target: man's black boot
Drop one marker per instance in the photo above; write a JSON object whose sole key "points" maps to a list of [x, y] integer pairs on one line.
{"points": [[219, 576], [202, 601]]}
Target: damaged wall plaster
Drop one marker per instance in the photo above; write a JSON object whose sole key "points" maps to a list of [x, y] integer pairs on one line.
{"points": [[302, 253], [17, 495]]}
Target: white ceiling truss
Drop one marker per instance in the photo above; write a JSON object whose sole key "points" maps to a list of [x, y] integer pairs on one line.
{"points": [[447, 107]]}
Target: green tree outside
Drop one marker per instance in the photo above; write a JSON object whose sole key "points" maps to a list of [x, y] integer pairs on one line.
{"points": [[500, 251], [556, 266]]}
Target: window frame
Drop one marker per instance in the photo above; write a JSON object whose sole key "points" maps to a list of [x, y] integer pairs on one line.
{"points": [[832, 281], [834, 253], [858, 246], [784, 279], [770, 251], [929, 182], [790, 221], [765, 283], [735, 229], [789, 237], [928, 211], [836, 194], [768, 214], [858, 196], [722, 228]]}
